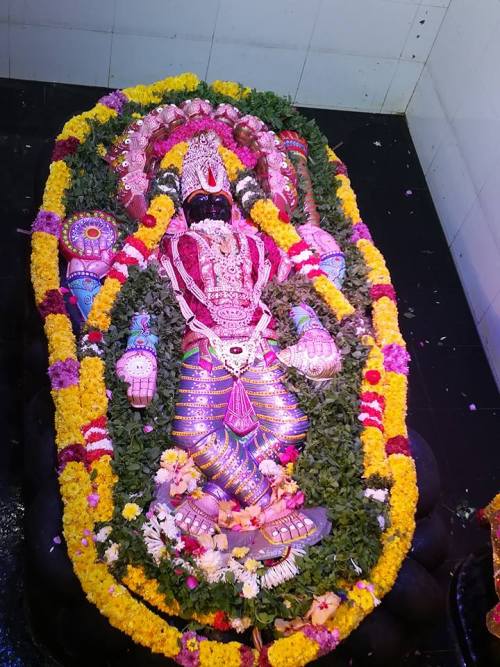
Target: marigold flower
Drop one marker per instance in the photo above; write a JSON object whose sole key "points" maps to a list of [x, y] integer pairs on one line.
{"points": [[131, 511]]}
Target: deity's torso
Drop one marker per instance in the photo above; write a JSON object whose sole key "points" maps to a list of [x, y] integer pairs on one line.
{"points": [[221, 273]]}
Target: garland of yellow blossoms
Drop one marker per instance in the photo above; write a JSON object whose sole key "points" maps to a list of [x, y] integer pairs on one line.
{"points": [[85, 401]]}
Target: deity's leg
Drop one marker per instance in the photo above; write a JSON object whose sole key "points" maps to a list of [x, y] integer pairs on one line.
{"points": [[281, 421], [199, 428]]}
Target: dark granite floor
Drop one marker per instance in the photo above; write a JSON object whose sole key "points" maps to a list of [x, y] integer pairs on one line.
{"points": [[453, 402]]}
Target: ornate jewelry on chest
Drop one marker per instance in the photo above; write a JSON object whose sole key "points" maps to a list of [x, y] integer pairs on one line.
{"points": [[230, 295], [226, 270]]}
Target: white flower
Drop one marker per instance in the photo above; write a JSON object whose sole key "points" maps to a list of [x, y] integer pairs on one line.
{"points": [[269, 468], [250, 588], [240, 624], [103, 534], [168, 527], [210, 562], [111, 553], [153, 538], [376, 494], [162, 476], [381, 522], [178, 544]]}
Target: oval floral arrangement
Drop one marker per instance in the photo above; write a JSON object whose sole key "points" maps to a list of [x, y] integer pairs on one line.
{"points": [[228, 375]]}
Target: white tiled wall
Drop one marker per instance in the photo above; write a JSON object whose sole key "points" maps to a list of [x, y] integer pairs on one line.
{"points": [[355, 54], [454, 118]]}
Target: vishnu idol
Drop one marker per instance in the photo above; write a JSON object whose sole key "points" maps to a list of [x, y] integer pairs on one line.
{"points": [[232, 410]]}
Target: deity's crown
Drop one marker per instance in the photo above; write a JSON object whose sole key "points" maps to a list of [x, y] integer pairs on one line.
{"points": [[202, 167]]}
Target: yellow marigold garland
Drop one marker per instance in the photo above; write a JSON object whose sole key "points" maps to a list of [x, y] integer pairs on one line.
{"points": [[333, 297], [92, 389], [57, 183], [103, 481], [232, 162], [138, 583], [395, 389], [397, 538], [385, 322], [68, 417], [60, 338], [378, 272], [374, 457], [101, 588], [44, 263], [100, 313], [79, 127], [230, 89], [151, 94], [292, 651], [175, 156], [266, 215]]}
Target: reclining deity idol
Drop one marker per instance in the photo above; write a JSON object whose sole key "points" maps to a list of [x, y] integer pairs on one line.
{"points": [[228, 375]]}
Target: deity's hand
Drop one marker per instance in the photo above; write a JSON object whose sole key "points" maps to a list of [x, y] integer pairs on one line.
{"points": [[138, 369], [315, 355], [96, 264]]}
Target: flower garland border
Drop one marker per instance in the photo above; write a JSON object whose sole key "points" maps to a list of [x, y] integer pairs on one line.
{"points": [[385, 444]]}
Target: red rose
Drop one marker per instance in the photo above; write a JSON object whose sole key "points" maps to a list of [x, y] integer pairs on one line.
{"points": [[52, 304], [399, 444], [372, 377], [192, 546], [148, 220], [220, 621], [95, 336], [65, 147], [380, 290]]}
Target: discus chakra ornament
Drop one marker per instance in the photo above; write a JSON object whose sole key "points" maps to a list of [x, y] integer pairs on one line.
{"points": [[239, 352]]}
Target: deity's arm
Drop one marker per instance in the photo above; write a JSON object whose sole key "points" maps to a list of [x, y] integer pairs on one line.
{"points": [[138, 366], [331, 257], [332, 260], [87, 241], [315, 354]]}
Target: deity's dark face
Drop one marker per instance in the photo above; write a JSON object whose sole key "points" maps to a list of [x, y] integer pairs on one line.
{"points": [[203, 206]]}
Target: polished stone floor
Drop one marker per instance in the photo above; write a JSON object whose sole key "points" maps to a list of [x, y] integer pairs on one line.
{"points": [[453, 401]]}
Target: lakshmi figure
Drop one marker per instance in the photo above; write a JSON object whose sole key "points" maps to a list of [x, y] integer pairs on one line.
{"points": [[233, 411]]}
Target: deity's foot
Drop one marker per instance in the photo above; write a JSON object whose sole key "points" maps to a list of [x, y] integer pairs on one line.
{"points": [[297, 529], [197, 517]]}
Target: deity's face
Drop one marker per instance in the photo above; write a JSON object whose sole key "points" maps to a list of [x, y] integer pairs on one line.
{"points": [[204, 205]]}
